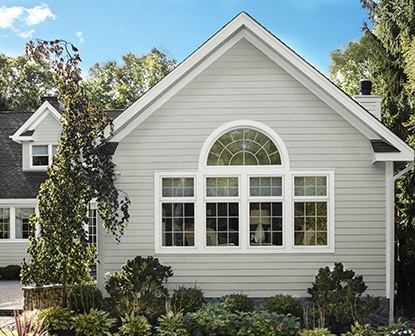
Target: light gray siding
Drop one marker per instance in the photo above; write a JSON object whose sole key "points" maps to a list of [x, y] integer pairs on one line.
{"points": [[13, 252], [245, 84]]}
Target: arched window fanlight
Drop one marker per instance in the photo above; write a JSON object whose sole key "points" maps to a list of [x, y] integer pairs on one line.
{"points": [[243, 147]]}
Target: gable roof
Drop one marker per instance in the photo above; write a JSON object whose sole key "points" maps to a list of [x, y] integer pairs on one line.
{"points": [[15, 183], [27, 129], [244, 26]]}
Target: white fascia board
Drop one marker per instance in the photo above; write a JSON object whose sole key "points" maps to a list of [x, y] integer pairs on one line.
{"points": [[323, 88], [34, 120], [7, 202], [186, 71], [243, 26], [403, 156]]}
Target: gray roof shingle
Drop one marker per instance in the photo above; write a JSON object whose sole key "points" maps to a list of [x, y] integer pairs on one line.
{"points": [[14, 182]]}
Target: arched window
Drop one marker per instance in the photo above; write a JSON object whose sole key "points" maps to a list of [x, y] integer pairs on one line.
{"points": [[245, 197], [243, 147]]}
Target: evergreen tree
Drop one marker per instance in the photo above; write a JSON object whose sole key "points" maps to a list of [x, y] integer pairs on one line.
{"points": [[387, 49]]}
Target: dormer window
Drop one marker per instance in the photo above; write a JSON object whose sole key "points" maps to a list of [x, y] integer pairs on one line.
{"points": [[42, 155]]}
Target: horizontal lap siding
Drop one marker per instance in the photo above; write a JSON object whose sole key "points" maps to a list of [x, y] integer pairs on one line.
{"points": [[13, 252], [244, 84], [48, 131]]}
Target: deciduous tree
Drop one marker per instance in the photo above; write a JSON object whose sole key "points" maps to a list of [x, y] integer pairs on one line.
{"points": [[23, 83], [115, 86], [81, 171]]}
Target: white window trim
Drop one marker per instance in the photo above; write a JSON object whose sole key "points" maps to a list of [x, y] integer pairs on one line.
{"points": [[287, 200], [12, 205], [244, 172], [50, 147]]}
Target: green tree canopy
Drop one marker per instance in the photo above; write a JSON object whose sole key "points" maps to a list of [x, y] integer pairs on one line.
{"points": [[81, 171], [386, 54], [23, 83], [115, 86]]}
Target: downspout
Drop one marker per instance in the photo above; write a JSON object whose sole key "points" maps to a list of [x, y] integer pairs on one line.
{"points": [[391, 243]]}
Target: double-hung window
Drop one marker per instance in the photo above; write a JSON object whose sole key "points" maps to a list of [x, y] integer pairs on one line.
{"points": [[15, 222], [42, 155], [245, 197], [311, 209], [178, 211]]}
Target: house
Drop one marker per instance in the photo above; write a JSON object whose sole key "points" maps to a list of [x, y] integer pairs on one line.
{"points": [[247, 169]]}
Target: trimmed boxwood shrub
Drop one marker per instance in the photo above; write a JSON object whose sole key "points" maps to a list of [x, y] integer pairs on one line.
{"points": [[10, 272]]}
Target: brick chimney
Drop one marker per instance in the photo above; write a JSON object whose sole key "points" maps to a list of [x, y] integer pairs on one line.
{"points": [[372, 103]]}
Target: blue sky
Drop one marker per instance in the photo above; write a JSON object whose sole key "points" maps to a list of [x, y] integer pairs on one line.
{"points": [[104, 30]]}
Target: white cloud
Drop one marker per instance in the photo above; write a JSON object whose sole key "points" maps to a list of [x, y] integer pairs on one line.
{"points": [[38, 14], [80, 36], [8, 15], [28, 34], [18, 19]]}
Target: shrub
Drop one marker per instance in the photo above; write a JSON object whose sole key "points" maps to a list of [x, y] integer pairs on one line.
{"points": [[361, 330], [237, 302], [316, 332], [187, 300], [84, 297], [134, 325], [10, 272], [171, 324], [94, 323], [336, 297], [55, 319], [140, 283], [213, 319], [284, 304]]}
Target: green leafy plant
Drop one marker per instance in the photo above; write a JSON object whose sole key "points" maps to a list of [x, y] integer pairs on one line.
{"points": [[336, 296], [140, 283], [134, 325], [56, 319], [361, 330], [83, 297], [94, 323], [316, 332], [187, 299], [171, 324], [237, 302], [284, 304], [213, 319]]}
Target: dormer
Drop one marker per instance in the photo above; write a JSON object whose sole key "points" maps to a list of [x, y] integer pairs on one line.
{"points": [[39, 137]]}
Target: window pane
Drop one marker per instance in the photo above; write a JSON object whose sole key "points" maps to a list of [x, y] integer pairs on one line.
{"points": [[310, 223], [23, 222], [265, 186], [178, 224], [178, 187], [40, 156], [4, 223], [222, 224], [40, 150], [92, 227], [222, 187], [265, 223], [243, 147], [310, 186]]}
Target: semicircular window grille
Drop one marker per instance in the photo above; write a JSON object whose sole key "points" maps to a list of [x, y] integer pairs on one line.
{"points": [[243, 147]]}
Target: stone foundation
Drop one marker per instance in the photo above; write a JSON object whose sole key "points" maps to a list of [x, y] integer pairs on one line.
{"points": [[42, 297]]}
